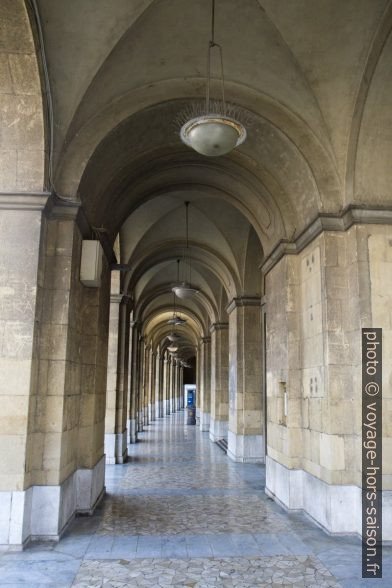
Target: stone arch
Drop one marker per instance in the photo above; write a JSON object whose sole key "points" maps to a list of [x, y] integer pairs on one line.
{"points": [[22, 128]]}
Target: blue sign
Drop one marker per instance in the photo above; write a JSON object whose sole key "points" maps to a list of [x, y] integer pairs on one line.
{"points": [[191, 397]]}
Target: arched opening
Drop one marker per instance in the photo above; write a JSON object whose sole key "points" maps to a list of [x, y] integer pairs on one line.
{"points": [[289, 239]]}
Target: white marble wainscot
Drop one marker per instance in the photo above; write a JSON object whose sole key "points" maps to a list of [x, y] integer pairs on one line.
{"points": [[204, 421], [132, 428], [44, 512], [159, 409], [151, 412], [218, 429], [245, 448], [116, 447], [336, 508]]}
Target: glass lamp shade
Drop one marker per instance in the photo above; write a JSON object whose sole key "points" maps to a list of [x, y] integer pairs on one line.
{"points": [[213, 135], [173, 337], [176, 321], [185, 291], [172, 348]]}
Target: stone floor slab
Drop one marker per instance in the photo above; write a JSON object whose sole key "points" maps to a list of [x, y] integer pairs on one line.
{"points": [[180, 513]]}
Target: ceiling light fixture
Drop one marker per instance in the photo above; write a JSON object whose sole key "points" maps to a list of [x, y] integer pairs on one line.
{"points": [[176, 320], [184, 290], [172, 348], [214, 133]]}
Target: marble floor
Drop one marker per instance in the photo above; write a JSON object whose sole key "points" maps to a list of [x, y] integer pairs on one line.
{"points": [[180, 513]]}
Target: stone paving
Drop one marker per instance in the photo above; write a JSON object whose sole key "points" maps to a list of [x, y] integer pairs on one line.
{"points": [[180, 513]]}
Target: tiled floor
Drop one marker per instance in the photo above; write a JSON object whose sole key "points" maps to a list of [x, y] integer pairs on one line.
{"points": [[179, 513]]}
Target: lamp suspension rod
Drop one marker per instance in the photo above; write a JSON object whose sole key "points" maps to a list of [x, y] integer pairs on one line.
{"points": [[213, 23], [187, 240], [211, 46], [186, 223]]}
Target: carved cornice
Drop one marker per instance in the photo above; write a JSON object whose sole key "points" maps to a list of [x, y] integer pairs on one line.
{"points": [[120, 299], [62, 209], [341, 221], [116, 298], [218, 327], [242, 301], [23, 200]]}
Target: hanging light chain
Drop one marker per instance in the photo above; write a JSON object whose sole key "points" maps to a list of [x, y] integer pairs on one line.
{"points": [[211, 46], [188, 250]]}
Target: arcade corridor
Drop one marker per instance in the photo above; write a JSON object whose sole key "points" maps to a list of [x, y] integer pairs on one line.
{"points": [[180, 513]]}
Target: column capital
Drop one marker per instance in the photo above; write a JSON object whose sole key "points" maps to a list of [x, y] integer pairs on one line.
{"points": [[135, 324], [218, 327], [206, 340], [116, 298], [243, 301], [120, 299], [23, 200]]}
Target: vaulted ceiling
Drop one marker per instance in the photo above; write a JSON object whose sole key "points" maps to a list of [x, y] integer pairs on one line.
{"points": [[310, 79]]}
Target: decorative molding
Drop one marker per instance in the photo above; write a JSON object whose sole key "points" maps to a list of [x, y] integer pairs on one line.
{"points": [[62, 209], [58, 208], [206, 340], [120, 299], [23, 200], [242, 301], [341, 221], [116, 298], [218, 327]]}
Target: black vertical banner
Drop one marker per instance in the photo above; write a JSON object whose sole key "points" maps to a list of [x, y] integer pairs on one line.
{"points": [[371, 453]]}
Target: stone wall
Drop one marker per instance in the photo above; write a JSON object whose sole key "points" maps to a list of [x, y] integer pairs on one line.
{"points": [[56, 367], [22, 136], [332, 289]]}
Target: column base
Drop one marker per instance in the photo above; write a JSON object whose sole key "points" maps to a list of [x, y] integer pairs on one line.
{"points": [[116, 447], [159, 409], [245, 448], [218, 430], [45, 512], [166, 407], [204, 421], [151, 412], [335, 508], [140, 421], [132, 428]]}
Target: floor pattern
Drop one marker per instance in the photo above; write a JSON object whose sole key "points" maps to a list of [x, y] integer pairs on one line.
{"points": [[180, 513]]}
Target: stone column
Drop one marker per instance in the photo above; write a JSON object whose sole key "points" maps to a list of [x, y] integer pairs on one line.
{"points": [[171, 383], [53, 364], [117, 376], [21, 276], [140, 390], [165, 387], [68, 418], [152, 398], [245, 436], [133, 382], [182, 398], [174, 385], [219, 381], [178, 387], [146, 385], [318, 302], [205, 396], [158, 385], [199, 382]]}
